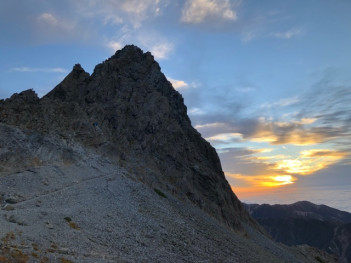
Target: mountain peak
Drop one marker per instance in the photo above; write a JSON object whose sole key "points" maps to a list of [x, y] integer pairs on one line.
{"points": [[127, 110], [129, 49], [78, 68]]}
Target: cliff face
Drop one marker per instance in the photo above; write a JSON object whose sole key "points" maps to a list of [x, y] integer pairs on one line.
{"points": [[130, 113]]}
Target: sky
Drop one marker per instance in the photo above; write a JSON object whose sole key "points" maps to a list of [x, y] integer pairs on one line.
{"points": [[267, 83]]}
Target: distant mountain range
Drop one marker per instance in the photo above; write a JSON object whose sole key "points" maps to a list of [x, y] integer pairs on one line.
{"points": [[306, 223]]}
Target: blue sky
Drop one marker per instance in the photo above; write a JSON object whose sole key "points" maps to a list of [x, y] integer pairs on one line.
{"points": [[268, 83]]}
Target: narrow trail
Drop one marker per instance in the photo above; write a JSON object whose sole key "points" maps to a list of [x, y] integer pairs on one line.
{"points": [[65, 187]]}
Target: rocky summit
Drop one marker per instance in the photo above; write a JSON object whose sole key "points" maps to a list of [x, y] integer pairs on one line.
{"points": [[108, 168], [129, 111]]}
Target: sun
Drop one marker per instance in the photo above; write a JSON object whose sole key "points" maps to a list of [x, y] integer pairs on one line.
{"points": [[284, 179], [278, 180]]}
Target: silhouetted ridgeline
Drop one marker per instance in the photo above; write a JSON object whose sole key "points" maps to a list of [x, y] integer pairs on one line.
{"points": [[306, 223]]}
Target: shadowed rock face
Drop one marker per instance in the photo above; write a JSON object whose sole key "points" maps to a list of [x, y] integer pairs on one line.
{"points": [[129, 112]]}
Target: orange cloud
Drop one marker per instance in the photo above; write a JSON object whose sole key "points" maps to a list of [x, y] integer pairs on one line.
{"points": [[310, 161], [293, 132], [294, 166], [248, 186], [263, 180], [324, 153]]}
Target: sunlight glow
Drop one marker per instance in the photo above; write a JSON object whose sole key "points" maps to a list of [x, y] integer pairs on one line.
{"points": [[263, 181], [294, 166], [278, 180]]}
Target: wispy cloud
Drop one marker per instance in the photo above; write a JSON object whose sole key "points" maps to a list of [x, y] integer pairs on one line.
{"points": [[197, 11], [162, 50], [143, 9], [248, 36], [225, 138], [323, 153], [288, 34], [48, 70], [132, 12], [196, 111], [282, 102], [52, 25], [48, 18]]}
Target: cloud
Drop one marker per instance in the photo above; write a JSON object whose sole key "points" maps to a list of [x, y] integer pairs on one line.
{"points": [[312, 137], [132, 12], [248, 36], [196, 11], [323, 153], [114, 45], [78, 21], [288, 34], [162, 50], [212, 129], [310, 161], [178, 84], [243, 160], [263, 130], [282, 102], [112, 20], [142, 8], [223, 139], [49, 70], [245, 167], [328, 103], [48, 18], [52, 25], [293, 132], [149, 40], [196, 111]]}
